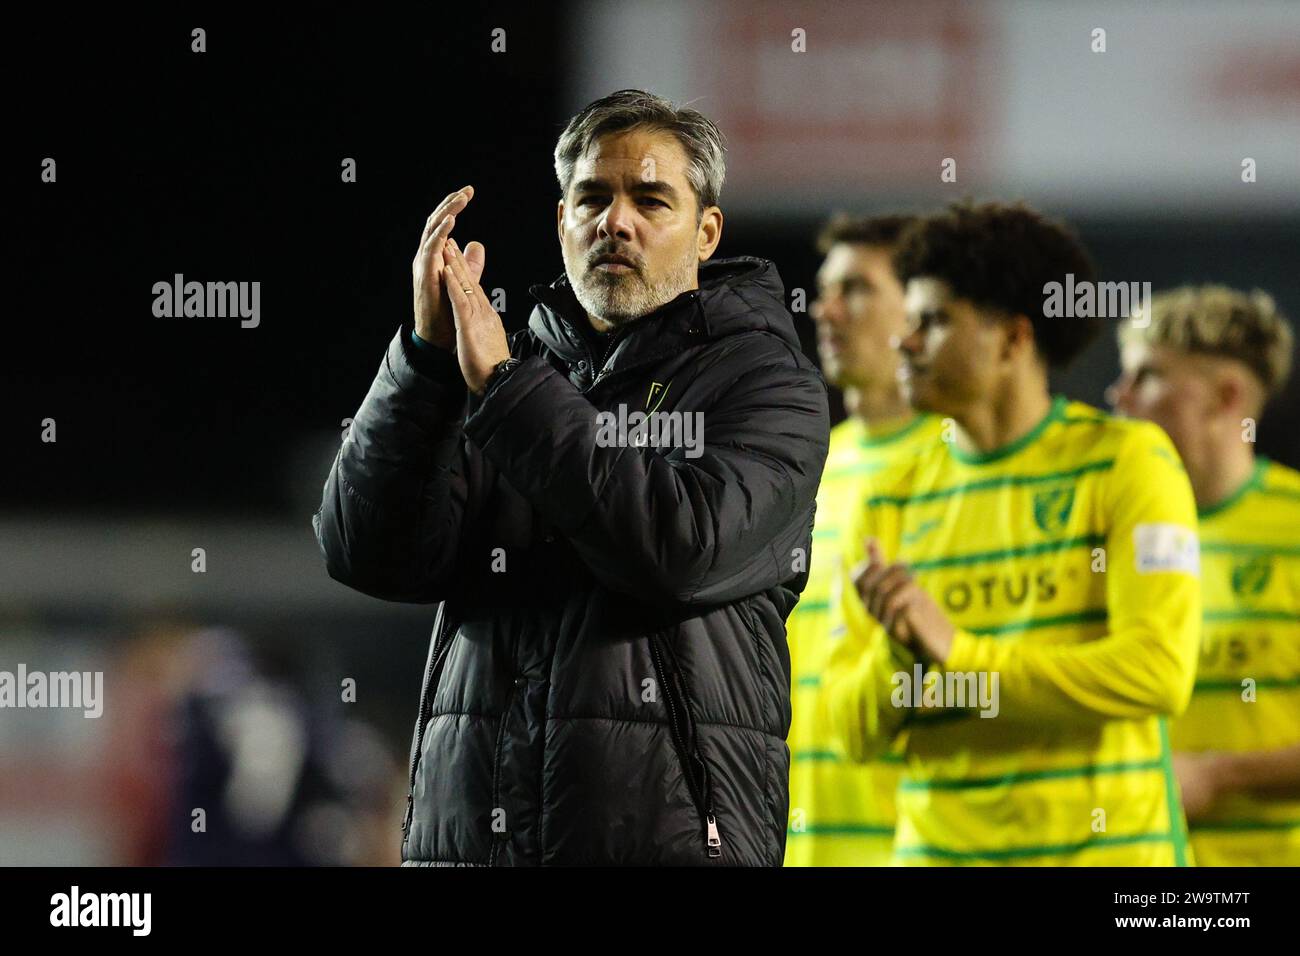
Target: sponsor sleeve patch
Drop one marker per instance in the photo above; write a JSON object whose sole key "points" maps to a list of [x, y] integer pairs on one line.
{"points": [[1166, 547]]}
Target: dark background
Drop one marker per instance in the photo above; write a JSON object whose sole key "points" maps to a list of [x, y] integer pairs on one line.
{"points": [[226, 166]]}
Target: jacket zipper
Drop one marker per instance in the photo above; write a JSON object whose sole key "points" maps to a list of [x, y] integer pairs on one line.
{"points": [[436, 653], [598, 376], [499, 838], [684, 738]]}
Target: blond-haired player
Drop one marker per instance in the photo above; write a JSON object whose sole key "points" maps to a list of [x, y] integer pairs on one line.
{"points": [[1202, 362]]}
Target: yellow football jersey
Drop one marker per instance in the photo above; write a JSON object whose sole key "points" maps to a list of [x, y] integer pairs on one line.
{"points": [[841, 813], [1247, 691], [1068, 563]]}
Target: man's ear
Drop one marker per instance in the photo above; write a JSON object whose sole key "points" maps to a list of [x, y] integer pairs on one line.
{"points": [[559, 221], [710, 232], [1020, 334], [1230, 391]]}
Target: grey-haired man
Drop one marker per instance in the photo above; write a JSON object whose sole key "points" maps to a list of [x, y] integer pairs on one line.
{"points": [[608, 679]]}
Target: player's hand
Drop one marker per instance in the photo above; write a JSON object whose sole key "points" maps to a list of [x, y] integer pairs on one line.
{"points": [[907, 613], [480, 337], [1198, 780], [433, 313]]}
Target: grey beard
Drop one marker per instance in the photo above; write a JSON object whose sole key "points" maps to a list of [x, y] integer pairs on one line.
{"points": [[619, 299]]}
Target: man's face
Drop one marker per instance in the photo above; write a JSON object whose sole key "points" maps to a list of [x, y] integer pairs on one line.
{"points": [[859, 314], [953, 355], [1167, 387], [630, 199]]}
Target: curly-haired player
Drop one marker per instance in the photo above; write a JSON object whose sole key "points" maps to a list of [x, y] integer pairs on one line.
{"points": [[1035, 622]]}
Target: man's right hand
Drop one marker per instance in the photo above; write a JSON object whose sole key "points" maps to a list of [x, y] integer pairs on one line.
{"points": [[433, 316]]}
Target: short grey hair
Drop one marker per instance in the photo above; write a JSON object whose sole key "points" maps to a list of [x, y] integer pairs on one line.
{"points": [[637, 109]]}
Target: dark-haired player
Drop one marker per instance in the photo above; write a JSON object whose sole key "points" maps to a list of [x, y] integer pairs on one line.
{"points": [[1038, 572], [842, 812]]}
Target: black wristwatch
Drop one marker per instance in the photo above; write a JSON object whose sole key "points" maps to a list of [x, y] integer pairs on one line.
{"points": [[500, 369]]}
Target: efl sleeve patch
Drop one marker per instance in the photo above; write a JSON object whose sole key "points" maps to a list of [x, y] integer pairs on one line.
{"points": [[1166, 547]]}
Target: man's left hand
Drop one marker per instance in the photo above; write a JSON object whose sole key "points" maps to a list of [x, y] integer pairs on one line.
{"points": [[908, 614], [480, 337]]}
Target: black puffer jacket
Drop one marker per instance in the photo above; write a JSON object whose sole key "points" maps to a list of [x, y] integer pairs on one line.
{"points": [[608, 681]]}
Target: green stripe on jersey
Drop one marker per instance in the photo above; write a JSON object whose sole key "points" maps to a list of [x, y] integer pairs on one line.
{"points": [[830, 756], [1046, 547], [1241, 547], [1267, 683], [991, 484], [1033, 776], [1249, 614], [1019, 852], [1090, 616], [1242, 826], [1177, 823], [844, 830]]}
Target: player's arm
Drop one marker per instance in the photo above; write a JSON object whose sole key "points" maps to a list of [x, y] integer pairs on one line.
{"points": [[1146, 663], [1272, 772], [1205, 777]]}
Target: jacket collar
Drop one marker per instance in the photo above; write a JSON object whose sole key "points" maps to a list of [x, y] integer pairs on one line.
{"points": [[734, 295]]}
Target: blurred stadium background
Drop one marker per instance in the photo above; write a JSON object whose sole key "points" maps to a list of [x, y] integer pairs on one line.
{"points": [[224, 688]]}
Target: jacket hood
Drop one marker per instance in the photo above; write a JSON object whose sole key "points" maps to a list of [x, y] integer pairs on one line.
{"points": [[740, 294]]}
